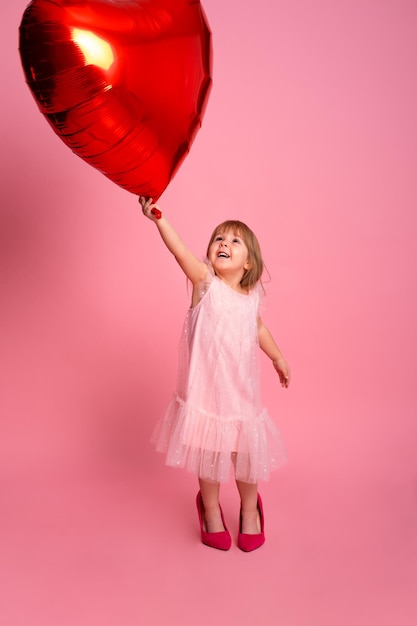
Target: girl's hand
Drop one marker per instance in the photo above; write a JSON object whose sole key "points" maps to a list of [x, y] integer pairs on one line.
{"points": [[149, 209], [283, 369]]}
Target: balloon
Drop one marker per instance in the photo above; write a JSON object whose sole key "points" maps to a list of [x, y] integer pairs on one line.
{"points": [[123, 83]]}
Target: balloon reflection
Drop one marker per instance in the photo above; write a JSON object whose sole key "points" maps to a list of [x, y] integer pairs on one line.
{"points": [[96, 51]]}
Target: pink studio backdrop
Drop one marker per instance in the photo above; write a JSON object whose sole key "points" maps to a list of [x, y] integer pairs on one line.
{"points": [[310, 137]]}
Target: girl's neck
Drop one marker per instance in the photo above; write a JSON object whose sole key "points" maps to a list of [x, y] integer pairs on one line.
{"points": [[234, 283]]}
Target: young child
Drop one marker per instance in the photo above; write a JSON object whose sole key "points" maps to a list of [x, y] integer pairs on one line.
{"points": [[216, 421]]}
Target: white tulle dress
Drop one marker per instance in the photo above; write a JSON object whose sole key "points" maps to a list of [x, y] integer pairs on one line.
{"points": [[215, 422]]}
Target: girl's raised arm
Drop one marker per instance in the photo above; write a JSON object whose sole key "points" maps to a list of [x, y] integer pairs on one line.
{"points": [[193, 268]]}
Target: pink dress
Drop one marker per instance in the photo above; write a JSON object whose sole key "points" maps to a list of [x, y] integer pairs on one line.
{"points": [[216, 419]]}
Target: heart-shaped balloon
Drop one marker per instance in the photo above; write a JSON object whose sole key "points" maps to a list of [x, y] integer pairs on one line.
{"points": [[124, 83]]}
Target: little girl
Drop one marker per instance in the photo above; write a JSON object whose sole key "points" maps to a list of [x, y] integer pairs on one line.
{"points": [[216, 420]]}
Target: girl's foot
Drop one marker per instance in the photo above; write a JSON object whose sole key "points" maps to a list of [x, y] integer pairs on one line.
{"points": [[250, 522], [212, 515], [212, 520]]}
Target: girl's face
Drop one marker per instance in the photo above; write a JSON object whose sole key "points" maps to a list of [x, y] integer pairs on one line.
{"points": [[229, 254]]}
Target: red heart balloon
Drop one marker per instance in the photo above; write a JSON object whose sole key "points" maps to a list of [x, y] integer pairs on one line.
{"points": [[124, 83]]}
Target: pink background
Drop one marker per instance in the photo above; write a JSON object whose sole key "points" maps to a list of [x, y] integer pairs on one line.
{"points": [[310, 137]]}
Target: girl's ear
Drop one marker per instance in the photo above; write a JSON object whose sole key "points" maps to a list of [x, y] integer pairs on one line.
{"points": [[247, 265]]}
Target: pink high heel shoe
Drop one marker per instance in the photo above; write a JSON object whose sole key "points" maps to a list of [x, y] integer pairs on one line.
{"points": [[247, 542], [221, 540]]}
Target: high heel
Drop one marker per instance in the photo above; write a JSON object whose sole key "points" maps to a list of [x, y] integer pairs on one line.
{"points": [[247, 542], [221, 540]]}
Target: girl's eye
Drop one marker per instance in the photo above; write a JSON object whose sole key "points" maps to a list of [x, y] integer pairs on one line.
{"points": [[236, 240], [218, 238]]}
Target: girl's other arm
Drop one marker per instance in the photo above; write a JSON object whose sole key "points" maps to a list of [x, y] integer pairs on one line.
{"points": [[193, 268], [268, 345]]}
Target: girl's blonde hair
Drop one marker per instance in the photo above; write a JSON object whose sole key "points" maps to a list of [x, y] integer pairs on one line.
{"points": [[254, 273]]}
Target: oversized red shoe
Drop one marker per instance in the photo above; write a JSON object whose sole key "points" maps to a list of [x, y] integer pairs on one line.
{"points": [[221, 540], [247, 542]]}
